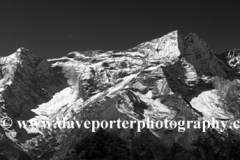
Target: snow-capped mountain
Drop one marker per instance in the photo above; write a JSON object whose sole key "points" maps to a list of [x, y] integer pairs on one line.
{"points": [[171, 77]]}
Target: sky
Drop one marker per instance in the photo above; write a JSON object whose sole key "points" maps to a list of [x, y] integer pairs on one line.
{"points": [[53, 28]]}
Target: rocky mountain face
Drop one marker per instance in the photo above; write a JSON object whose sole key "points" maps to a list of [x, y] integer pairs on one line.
{"points": [[171, 77]]}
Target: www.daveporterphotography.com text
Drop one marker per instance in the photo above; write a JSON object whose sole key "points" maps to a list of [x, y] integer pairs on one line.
{"points": [[180, 125]]}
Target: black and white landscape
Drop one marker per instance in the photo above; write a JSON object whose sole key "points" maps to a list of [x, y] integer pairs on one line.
{"points": [[176, 76]]}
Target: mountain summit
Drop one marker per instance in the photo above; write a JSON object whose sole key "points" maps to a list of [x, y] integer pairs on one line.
{"points": [[171, 77]]}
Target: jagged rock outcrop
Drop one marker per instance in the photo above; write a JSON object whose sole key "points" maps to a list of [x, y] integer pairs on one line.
{"points": [[27, 81], [171, 77]]}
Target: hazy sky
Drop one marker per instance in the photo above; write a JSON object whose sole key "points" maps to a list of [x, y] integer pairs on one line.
{"points": [[53, 28]]}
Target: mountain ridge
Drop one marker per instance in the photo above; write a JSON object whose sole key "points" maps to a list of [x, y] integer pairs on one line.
{"points": [[169, 77]]}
